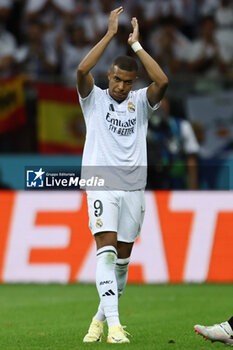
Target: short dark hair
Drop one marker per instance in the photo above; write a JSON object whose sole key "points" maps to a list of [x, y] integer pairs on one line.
{"points": [[126, 63]]}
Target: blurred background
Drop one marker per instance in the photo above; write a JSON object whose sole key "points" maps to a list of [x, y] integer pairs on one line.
{"points": [[190, 138]]}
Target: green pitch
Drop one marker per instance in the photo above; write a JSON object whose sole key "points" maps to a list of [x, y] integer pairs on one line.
{"points": [[161, 317]]}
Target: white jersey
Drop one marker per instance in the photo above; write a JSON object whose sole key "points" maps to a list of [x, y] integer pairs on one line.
{"points": [[116, 132]]}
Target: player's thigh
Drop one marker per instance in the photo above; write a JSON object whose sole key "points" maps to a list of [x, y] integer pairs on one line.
{"points": [[103, 211], [131, 216]]}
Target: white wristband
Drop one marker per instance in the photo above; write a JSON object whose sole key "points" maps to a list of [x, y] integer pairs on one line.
{"points": [[136, 46]]}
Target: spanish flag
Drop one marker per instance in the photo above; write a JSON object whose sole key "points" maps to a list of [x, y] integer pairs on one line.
{"points": [[12, 104], [61, 127]]}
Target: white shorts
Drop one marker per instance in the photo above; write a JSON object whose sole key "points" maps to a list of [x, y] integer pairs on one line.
{"points": [[116, 211]]}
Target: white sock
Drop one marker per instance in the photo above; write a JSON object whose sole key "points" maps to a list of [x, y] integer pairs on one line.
{"points": [[107, 285], [121, 271], [100, 313]]}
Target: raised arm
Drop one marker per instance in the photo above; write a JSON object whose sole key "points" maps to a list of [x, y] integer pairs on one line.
{"points": [[85, 79], [156, 90]]}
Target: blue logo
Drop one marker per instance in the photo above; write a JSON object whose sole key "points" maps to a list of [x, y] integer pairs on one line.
{"points": [[35, 179]]}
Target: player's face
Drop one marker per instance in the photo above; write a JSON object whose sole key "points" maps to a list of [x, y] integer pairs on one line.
{"points": [[120, 83]]}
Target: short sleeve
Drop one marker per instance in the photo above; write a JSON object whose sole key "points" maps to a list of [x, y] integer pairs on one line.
{"points": [[143, 100], [88, 103]]}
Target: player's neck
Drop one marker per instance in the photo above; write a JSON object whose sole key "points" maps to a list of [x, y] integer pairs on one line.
{"points": [[119, 102]]}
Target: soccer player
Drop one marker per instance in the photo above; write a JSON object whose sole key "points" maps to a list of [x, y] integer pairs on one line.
{"points": [[116, 123], [222, 332]]}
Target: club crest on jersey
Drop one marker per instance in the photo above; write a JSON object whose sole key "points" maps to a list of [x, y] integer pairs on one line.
{"points": [[131, 107], [99, 223]]}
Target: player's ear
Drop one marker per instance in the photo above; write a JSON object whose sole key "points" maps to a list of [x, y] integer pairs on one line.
{"points": [[109, 73]]}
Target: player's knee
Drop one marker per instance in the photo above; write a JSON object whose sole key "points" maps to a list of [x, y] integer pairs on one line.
{"points": [[106, 239]]}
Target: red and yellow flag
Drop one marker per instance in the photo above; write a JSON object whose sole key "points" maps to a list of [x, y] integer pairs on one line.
{"points": [[12, 104], [61, 127]]}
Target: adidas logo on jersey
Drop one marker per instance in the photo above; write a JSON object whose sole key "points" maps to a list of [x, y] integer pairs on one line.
{"points": [[108, 293]]}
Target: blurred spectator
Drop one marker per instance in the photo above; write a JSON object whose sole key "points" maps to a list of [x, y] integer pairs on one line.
{"points": [[207, 55], [224, 15], [34, 57], [15, 19], [54, 35], [72, 51], [172, 151], [42, 7], [7, 43], [190, 18], [184, 11], [207, 7], [101, 17], [163, 8], [5, 7], [53, 14], [83, 16], [169, 46], [224, 22], [82, 7]]}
